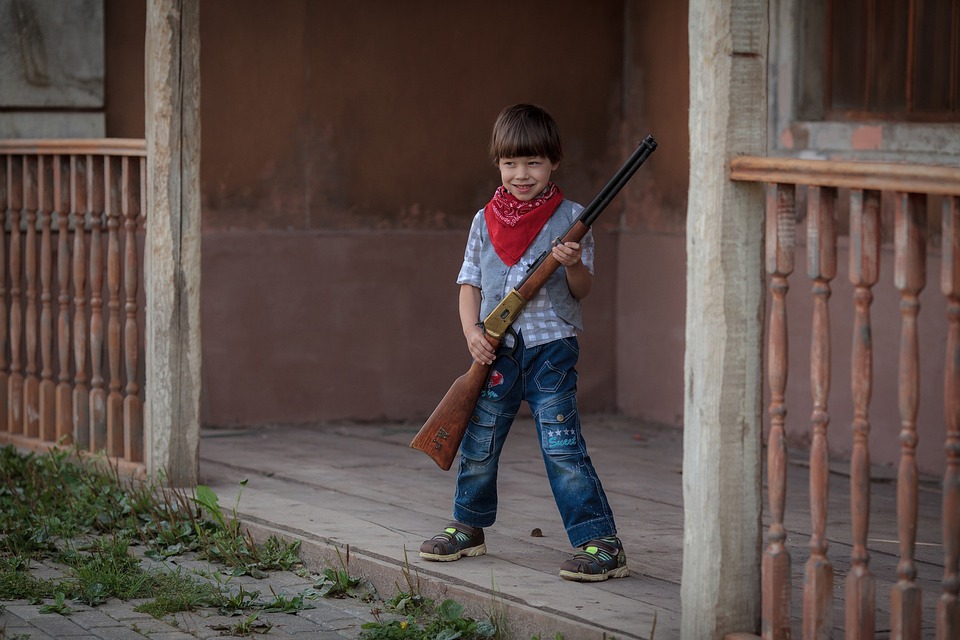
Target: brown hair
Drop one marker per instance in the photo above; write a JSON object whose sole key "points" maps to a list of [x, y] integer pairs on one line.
{"points": [[525, 130]]}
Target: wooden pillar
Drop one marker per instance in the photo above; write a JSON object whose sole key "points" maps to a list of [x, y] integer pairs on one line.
{"points": [[172, 253], [720, 588]]}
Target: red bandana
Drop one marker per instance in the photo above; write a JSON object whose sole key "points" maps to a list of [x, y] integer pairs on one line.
{"points": [[513, 224]]}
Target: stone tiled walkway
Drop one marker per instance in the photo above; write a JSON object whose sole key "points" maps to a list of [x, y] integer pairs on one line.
{"points": [[328, 619]]}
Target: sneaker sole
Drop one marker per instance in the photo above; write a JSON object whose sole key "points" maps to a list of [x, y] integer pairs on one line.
{"points": [[620, 572], [469, 552]]}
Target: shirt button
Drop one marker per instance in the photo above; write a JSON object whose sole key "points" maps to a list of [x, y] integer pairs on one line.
{"points": [[559, 417], [497, 297], [503, 271]]}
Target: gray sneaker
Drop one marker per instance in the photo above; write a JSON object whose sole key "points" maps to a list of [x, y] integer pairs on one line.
{"points": [[596, 561], [454, 542]]}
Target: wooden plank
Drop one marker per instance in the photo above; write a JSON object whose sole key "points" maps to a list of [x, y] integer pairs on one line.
{"points": [[66, 146], [889, 176]]}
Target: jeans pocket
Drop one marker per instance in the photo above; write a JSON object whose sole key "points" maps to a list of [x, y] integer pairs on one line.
{"points": [[560, 427], [477, 442], [549, 377], [558, 371]]}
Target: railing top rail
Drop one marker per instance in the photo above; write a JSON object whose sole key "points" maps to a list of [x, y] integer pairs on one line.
{"points": [[75, 146], [880, 176]]}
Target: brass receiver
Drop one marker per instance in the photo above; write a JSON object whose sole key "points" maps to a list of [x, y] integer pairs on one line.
{"points": [[500, 319]]}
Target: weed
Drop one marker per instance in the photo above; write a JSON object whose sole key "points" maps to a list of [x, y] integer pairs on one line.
{"points": [[52, 503], [248, 626], [338, 583], [59, 605], [238, 603], [444, 622], [176, 592], [280, 604], [409, 604]]}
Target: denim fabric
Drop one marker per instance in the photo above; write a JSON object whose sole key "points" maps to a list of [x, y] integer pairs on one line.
{"points": [[546, 377]]}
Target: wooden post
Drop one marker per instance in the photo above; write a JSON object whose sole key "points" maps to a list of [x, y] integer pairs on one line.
{"points": [[864, 272], [948, 607], [64, 408], [720, 588], [172, 254], [821, 268], [910, 274], [781, 242]]}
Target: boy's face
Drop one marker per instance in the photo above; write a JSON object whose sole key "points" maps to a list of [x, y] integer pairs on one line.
{"points": [[526, 176]]}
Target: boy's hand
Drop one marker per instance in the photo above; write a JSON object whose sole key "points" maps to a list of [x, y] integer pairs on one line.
{"points": [[567, 253], [480, 348]]}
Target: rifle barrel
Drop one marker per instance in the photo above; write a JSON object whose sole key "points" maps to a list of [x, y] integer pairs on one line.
{"points": [[589, 214]]}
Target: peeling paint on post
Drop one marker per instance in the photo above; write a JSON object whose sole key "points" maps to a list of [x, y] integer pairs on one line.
{"points": [[172, 255]]}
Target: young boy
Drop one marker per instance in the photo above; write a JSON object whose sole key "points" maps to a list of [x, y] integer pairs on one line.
{"points": [[537, 364]]}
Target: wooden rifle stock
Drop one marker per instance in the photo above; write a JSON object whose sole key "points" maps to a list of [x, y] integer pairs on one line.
{"points": [[441, 434]]}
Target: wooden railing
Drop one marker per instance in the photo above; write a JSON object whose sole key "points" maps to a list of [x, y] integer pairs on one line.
{"points": [[908, 186], [71, 312]]}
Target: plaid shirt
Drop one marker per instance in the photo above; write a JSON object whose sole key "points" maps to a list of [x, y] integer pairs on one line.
{"points": [[538, 323]]}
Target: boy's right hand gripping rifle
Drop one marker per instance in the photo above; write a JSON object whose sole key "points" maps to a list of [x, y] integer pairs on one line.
{"points": [[441, 434]]}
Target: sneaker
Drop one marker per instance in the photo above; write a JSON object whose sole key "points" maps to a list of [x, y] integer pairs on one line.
{"points": [[454, 542], [597, 561]]}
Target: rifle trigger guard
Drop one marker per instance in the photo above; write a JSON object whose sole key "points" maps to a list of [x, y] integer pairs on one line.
{"points": [[508, 350]]}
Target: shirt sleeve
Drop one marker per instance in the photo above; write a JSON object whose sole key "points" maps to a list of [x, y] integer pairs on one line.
{"points": [[470, 269]]}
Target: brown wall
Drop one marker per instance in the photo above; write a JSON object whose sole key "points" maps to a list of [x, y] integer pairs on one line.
{"points": [[343, 156]]}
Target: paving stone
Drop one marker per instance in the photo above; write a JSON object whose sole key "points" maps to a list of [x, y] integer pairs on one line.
{"points": [[26, 612], [92, 618], [172, 635], [28, 632], [123, 611], [58, 626], [289, 623], [118, 633]]}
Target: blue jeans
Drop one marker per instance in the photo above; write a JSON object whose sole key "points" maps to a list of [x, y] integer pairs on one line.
{"points": [[546, 377]]}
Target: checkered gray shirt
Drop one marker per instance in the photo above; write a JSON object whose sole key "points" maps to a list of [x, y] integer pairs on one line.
{"points": [[538, 323]]}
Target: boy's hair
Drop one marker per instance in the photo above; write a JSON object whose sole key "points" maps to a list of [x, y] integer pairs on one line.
{"points": [[525, 130]]}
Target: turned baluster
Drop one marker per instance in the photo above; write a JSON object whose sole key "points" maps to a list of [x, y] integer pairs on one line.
{"points": [[62, 201], [15, 382], [114, 398], [948, 607], [864, 272], [80, 173], [780, 244], [5, 189], [909, 276], [98, 395], [821, 268], [132, 405], [47, 388], [31, 383]]}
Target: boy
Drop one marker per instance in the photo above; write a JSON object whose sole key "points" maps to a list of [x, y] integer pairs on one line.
{"points": [[537, 362]]}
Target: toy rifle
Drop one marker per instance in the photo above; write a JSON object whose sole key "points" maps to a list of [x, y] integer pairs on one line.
{"points": [[441, 434]]}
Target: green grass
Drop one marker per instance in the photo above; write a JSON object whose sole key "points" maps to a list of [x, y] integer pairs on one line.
{"points": [[75, 512]]}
